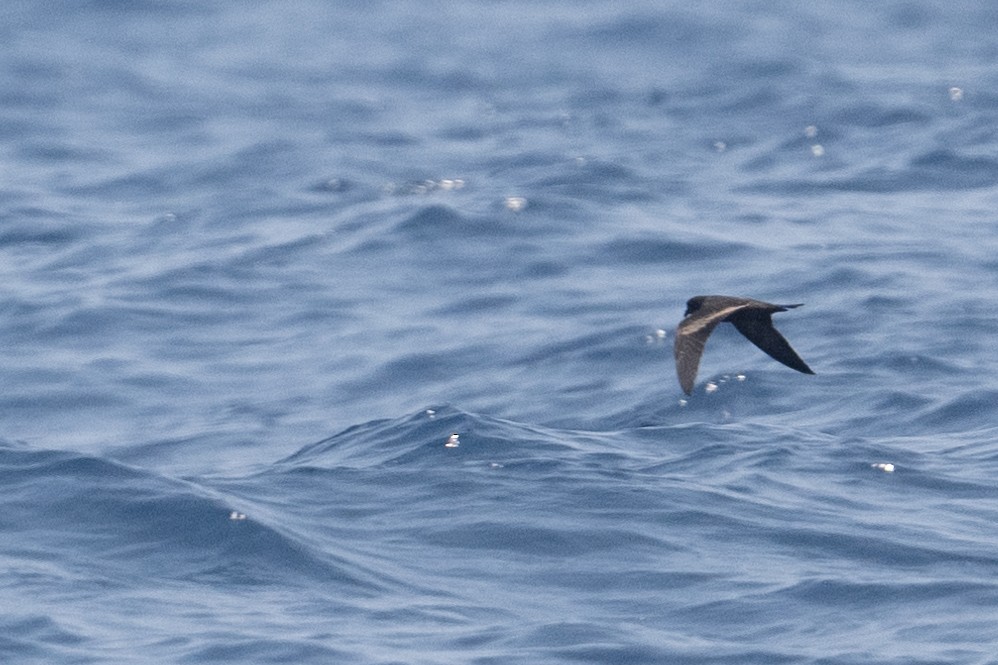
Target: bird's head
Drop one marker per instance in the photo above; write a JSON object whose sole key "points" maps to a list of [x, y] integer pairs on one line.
{"points": [[693, 304]]}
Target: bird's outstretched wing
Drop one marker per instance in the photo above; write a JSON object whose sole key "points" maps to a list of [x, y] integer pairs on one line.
{"points": [[757, 326], [691, 336]]}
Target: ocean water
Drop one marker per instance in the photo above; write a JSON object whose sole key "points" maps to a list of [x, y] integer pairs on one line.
{"points": [[341, 332]]}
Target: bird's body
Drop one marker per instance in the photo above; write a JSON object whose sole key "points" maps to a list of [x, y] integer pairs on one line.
{"points": [[752, 318]]}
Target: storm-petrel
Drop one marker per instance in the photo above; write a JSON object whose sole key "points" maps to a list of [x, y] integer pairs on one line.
{"points": [[753, 318]]}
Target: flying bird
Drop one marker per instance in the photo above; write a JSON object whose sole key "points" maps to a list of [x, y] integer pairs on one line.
{"points": [[752, 318]]}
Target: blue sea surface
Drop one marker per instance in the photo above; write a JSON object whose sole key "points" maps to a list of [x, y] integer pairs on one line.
{"points": [[341, 332]]}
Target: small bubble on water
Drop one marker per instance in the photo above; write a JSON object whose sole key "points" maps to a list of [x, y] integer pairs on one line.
{"points": [[656, 337], [515, 203], [449, 184]]}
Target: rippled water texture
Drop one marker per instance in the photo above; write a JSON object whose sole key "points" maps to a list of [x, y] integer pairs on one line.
{"points": [[342, 332]]}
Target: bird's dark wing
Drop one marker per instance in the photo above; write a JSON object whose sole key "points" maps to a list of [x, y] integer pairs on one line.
{"points": [[691, 335], [758, 328]]}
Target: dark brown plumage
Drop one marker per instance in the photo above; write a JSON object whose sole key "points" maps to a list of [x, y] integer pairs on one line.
{"points": [[752, 318]]}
